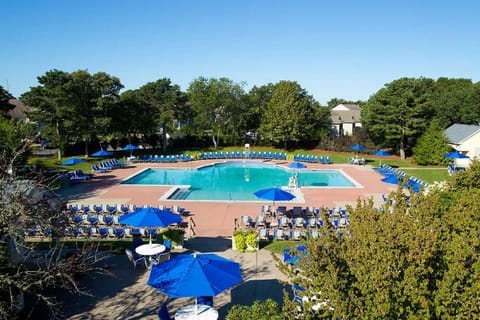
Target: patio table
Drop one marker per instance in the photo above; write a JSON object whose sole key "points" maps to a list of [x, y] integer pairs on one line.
{"points": [[204, 313], [151, 250]]}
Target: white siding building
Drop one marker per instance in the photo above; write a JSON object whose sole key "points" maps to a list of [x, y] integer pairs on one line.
{"points": [[345, 118], [464, 138]]}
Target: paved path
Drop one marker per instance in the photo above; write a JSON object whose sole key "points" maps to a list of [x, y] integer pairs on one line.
{"points": [[127, 296]]}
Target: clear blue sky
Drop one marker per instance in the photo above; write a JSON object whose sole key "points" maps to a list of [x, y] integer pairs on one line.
{"points": [[343, 49]]}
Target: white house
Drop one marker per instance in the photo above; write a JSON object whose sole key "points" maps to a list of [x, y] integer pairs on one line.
{"points": [[464, 138], [345, 118]]}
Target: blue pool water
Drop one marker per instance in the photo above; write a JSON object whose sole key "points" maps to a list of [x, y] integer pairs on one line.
{"points": [[235, 180]]}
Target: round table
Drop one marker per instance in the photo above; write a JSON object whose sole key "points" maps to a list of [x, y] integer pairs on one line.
{"points": [[150, 249], [204, 313]]}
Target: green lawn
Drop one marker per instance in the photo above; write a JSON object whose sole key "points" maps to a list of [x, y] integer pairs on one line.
{"points": [[278, 245], [429, 175]]}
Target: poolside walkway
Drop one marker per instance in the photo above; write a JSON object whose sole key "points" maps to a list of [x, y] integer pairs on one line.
{"points": [[216, 218]]}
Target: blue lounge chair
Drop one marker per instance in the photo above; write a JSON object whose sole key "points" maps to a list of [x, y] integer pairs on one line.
{"points": [[96, 168]]}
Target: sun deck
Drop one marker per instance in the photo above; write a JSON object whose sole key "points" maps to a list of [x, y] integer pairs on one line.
{"points": [[216, 218]]}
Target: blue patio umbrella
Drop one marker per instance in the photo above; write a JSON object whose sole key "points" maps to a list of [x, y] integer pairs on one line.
{"points": [[130, 147], [455, 155], [381, 153], [101, 153], [274, 194], [297, 165], [357, 147], [72, 161], [195, 275], [150, 217]]}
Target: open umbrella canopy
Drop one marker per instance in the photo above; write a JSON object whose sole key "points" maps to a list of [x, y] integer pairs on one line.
{"points": [[150, 217], [297, 165], [101, 153], [455, 155], [357, 147], [274, 194], [130, 147], [72, 161], [381, 153], [195, 275]]}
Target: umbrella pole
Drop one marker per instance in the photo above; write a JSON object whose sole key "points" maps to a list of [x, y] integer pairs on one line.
{"points": [[196, 307]]}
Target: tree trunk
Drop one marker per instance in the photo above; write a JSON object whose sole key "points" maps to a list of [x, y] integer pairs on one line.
{"points": [[164, 137], [402, 145], [59, 153], [214, 141]]}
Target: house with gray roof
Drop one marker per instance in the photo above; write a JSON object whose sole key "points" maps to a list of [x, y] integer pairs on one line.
{"points": [[464, 138], [346, 118]]}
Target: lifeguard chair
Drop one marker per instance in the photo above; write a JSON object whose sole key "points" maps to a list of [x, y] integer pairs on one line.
{"points": [[246, 150]]}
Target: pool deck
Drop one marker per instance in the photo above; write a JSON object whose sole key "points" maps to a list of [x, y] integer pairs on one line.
{"points": [[217, 218]]}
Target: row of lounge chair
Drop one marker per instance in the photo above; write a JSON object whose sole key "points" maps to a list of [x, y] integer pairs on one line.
{"points": [[116, 208], [243, 155], [100, 221], [164, 158], [291, 223], [298, 211], [94, 232], [107, 165], [412, 182], [305, 223], [312, 159]]}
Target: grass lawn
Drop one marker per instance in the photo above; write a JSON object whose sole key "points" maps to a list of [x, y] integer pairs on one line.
{"points": [[278, 245], [428, 174]]}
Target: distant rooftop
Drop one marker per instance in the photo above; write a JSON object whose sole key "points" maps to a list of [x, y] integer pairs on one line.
{"points": [[458, 132]]}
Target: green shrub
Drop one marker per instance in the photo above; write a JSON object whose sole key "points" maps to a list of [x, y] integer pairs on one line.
{"points": [[245, 239], [260, 310], [174, 235], [240, 241]]}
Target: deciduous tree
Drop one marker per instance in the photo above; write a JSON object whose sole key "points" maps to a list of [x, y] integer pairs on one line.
{"points": [[219, 107], [26, 207], [291, 115], [397, 115]]}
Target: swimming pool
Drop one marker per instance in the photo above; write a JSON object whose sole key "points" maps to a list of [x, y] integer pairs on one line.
{"points": [[235, 180]]}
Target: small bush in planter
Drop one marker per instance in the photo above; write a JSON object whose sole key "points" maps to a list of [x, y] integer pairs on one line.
{"points": [[245, 240], [240, 241], [251, 238]]}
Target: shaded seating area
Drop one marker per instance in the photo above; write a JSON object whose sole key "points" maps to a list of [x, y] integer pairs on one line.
{"points": [[102, 221], [295, 223]]}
